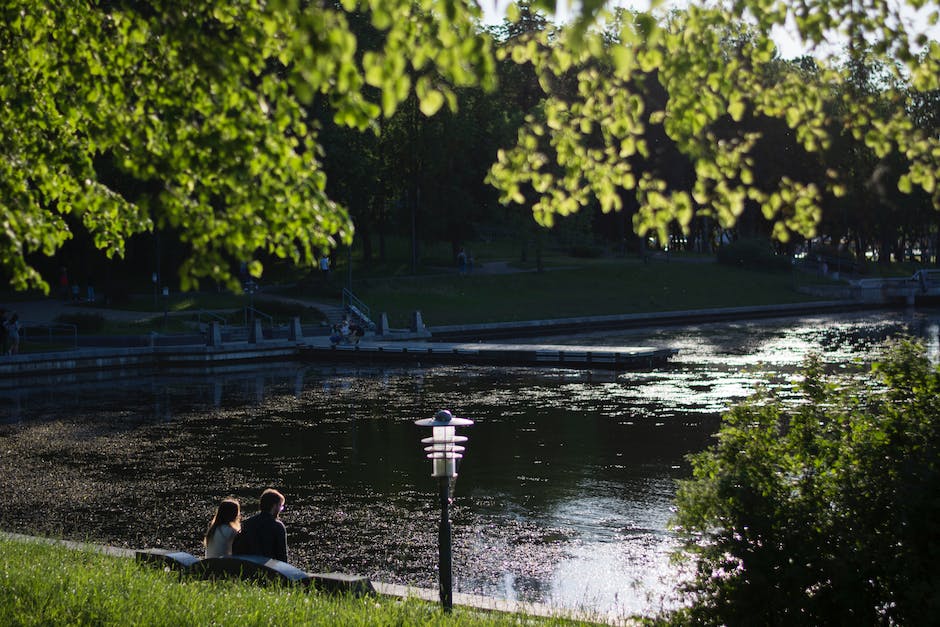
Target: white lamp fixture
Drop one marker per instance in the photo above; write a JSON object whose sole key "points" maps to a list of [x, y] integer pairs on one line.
{"points": [[444, 449]]}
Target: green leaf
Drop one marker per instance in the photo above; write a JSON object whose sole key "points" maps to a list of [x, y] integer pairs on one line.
{"points": [[904, 184], [431, 102]]}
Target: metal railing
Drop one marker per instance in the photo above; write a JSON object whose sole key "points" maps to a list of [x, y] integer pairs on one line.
{"points": [[358, 308], [881, 283], [927, 278], [350, 300], [211, 315], [255, 313]]}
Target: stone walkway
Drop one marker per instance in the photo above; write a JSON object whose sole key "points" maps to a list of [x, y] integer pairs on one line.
{"points": [[48, 310]]}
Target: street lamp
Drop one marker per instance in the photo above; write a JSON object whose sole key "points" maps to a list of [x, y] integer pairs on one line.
{"points": [[250, 287], [444, 450]]}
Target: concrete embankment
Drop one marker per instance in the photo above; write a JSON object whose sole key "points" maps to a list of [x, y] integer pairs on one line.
{"points": [[491, 354], [80, 364], [394, 349], [66, 366]]}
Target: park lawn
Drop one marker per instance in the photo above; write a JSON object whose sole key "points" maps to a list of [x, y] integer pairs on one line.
{"points": [[599, 288], [569, 287], [44, 584], [181, 301]]}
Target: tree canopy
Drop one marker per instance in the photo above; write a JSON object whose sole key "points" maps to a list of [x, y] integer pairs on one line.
{"points": [[720, 70], [120, 116], [200, 105]]}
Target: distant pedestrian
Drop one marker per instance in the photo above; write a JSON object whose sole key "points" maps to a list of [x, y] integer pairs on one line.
{"points": [[462, 261], [90, 290], [325, 264], [222, 530], [12, 327], [64, 284]]}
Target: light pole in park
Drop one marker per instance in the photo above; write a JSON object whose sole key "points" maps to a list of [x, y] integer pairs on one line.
{"points": [[444, 450]]}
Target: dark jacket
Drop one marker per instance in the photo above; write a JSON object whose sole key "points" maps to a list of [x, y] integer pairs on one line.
{"points": [[262, 534]]}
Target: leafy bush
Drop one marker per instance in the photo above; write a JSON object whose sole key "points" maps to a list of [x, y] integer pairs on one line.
{"points": [[753, 253], [823, 513], [84, 322]]}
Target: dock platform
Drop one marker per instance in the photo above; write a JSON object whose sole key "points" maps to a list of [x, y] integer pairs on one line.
{"points": [[493, 354], [202, 359]]}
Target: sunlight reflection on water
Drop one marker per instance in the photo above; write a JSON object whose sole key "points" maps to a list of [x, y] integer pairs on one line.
{"points": [[717, 365]]}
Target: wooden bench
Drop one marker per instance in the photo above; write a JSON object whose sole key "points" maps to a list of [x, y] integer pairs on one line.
{"points": [[255, 568]]}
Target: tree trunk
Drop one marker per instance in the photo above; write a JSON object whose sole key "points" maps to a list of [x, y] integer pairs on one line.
{"points": [[366, 237]]}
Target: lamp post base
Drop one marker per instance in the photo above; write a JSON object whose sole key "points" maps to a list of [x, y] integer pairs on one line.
{"points": [[444, 548]]}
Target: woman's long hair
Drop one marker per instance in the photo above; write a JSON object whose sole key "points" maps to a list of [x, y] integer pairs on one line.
{"points": [[228, 514]]}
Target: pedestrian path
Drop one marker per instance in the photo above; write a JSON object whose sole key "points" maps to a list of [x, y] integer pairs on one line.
{"points": [[48, 311]]}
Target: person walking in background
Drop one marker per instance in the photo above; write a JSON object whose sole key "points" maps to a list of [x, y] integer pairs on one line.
{"points": [[264, 533], [64, 284], [12, 328], [222, 530]]}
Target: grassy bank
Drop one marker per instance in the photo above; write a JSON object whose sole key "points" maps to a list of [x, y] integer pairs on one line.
{"points": [[502, 291], [588, 288], [52, 585]]}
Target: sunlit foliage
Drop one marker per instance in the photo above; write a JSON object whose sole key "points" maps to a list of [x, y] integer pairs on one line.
{"points": [[720, 69], [119, 116]]}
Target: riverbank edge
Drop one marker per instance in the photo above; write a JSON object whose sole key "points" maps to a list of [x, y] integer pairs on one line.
{"points": [[52, 368], [472, 601], [560, 326]]}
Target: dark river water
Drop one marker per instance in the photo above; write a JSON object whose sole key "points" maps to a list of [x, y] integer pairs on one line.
{"points": [[564, 495]]}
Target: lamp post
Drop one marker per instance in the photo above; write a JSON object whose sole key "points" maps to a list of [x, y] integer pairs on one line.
{"points": [[250, 287], [444, 450]]}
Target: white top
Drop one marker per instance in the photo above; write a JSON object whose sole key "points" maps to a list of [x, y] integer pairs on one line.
{"points": [[219, 543]]}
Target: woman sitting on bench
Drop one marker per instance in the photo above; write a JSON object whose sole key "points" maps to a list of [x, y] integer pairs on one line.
{"points": [[222, 530]]}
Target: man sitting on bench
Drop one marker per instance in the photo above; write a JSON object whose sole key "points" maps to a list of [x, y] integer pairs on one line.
{"points": [[264, 533]]}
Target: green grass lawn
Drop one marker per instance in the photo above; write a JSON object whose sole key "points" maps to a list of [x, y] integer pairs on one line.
{"points": [[581, 289], [43, 584]]}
